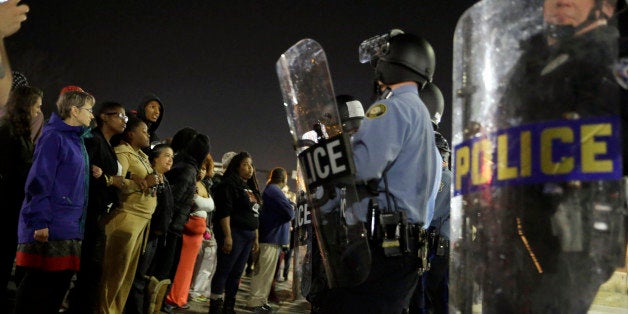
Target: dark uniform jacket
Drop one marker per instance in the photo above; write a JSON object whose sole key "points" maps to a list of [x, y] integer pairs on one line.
{"points": [[569, 76], [551, 83]]}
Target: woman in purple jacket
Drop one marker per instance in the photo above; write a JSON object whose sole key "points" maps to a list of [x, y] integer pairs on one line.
{"points": [[50, 228]]}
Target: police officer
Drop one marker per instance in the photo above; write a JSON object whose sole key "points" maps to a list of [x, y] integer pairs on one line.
{"points": [[432, 293], [564, 73], [565, 69], [395, 155], [433, 99], [351, 113], [435, 103]]}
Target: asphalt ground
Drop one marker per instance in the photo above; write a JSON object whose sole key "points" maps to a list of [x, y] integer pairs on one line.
{"points": [[287, 302]]}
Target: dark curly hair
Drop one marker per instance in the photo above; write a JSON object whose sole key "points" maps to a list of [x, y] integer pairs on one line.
{"points": [[105, 108], [19, 105], [232, 171]]}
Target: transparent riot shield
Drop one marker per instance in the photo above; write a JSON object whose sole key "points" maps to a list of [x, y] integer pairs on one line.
{"points": [[325, 162], [302, 260], [538, 207]]}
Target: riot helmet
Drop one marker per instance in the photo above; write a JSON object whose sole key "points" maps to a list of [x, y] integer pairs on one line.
{"points": [[434, 101], [351, 113], [406, 58], [400, 57], [442, 145]]}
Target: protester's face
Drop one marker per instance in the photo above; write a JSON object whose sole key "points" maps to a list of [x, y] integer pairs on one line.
{"points": [[163, 162], [202, 172], [116, 119], [140, 136], [36, 109], [246, 168], [84, 114], [152, 111], [567, 12]]}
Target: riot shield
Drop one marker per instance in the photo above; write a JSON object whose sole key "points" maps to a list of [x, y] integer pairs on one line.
{"points": [[302, 252], [537, 213], [326, 164]]}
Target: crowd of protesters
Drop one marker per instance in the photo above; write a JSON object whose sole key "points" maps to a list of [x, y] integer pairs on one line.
{"points": [[108, 218], [103, 216]]}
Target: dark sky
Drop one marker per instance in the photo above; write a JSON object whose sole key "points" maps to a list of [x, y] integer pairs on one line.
{"points": [[213, 62]]}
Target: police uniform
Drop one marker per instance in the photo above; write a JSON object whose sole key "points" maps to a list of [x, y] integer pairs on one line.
{"points": [[570, 79], [394, 145], [396, 140], [433, 293]]}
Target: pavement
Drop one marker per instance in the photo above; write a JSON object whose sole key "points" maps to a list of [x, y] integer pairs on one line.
{"points": [[612, 298], [287, 303]]}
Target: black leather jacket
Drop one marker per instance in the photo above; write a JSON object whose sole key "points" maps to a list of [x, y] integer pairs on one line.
{"points": [[182, 178]]}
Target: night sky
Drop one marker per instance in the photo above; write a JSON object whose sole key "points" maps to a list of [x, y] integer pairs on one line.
{"points": [[212, 63]]}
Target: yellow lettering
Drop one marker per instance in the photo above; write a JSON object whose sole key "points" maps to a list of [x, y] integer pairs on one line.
{"points": [[566, 164], [590, 148], [481, 159], [526, 153], [503, 171], [462, 165]]}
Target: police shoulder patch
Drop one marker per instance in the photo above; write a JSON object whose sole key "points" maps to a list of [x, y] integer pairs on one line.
{"points": [[376, 111]]}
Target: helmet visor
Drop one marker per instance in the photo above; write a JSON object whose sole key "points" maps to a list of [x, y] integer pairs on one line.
{"points": [[371, 49]]}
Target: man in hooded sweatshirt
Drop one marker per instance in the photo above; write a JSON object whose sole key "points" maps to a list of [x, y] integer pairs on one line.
{"points": [[151, 111]]}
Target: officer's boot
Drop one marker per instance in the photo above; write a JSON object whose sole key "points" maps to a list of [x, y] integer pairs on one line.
{"points": [[229, 306], [216, 306]]}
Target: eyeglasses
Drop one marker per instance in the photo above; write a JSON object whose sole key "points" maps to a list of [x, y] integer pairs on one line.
{"points": [[90, 110], [120, 115]]}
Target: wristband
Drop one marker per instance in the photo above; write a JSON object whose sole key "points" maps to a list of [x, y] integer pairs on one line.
{"points": [[108, 180]]}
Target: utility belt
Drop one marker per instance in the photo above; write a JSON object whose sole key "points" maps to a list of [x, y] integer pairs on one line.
{"points": [[391, 232], [437, 244]]}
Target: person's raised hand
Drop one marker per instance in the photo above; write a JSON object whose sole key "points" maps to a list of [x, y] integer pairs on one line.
{"points": [[12, 14]]}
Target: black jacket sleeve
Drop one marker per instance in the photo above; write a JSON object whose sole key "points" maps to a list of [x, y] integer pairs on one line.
{"points": [[183, 184]]}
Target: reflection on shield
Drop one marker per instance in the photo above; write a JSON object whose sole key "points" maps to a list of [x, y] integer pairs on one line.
{"points": [[537, 216], [325, 162]]}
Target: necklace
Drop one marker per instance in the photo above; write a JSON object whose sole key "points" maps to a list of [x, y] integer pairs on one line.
{"points": [[144, 161]]}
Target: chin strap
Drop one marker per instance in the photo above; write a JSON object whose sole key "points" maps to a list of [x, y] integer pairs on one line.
{"points": [[386, 93], [379, 93], [561, 32]]}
